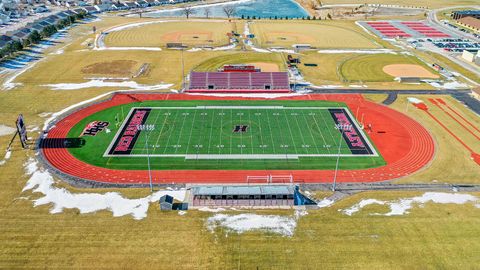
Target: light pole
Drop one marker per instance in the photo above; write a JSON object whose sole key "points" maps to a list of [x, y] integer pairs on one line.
{"points": [[343, 127], [147, 129]]}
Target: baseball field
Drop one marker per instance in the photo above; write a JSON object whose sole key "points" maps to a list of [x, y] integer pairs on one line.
{"points": [[47, 223]]}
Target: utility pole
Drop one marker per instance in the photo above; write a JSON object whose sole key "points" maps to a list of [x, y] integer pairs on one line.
{"points": [[343, 128]]}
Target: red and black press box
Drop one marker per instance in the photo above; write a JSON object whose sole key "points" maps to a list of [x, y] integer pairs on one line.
{"points": [[126, 139]]}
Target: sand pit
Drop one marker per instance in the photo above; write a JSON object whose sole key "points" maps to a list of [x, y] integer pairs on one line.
{"points": [[116, 67], [408, 70], [266, 67]]}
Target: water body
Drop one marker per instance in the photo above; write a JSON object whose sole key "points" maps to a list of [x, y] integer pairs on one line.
{"points": [[257, 8]]}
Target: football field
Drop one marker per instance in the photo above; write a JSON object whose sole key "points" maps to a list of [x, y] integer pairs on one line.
{"points": [[239, 132], [227, 135]]}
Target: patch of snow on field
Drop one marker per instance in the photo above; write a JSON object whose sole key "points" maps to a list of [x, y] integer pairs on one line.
{"points": [[128, 49], [402, 206], [8, 154], [41, 181], [211, 210], [284, 225], [448, 85], [325, 203], [414, 100], [6, 130], [102, 83], [226, 48], [372, 51], [327, 86]]}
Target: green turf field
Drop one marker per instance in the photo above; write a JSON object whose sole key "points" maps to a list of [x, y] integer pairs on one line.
{"points": [[231, 134]]}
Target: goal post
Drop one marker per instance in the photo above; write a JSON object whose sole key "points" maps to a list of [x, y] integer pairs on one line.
{"points": [[270, 179]]}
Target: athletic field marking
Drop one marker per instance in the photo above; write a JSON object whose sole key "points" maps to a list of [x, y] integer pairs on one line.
{"points": [[292, 150]]}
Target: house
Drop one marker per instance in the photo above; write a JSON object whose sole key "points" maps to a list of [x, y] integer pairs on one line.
{"points": [[458, 14], [62, 15], [52, 19], [71, 4], [118, 7], [152, 3], [4, 18], [471, 23], [68, 13], [79, 11], [40, 9], [90, 9], [4, 40], [103, 7], [130, 5], [19, 36], [36, 26], [44, 23], [142, 3]]}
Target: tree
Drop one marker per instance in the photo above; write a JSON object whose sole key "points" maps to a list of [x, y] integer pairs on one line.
{"points": [[187, 11], [229, 10], [329, 16], [207, 12], [16, 46], [34, 37]]}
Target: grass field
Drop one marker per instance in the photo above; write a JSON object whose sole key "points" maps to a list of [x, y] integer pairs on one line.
{"points": [[231, 58], [318, 34], [299, 135], [369, 68], [430, 237], [192, 33], [344, 68]]}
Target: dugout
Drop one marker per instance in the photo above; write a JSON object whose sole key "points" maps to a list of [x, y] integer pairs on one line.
{"points": [[243, 195]]}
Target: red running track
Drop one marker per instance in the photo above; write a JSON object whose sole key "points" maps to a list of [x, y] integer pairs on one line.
{"points": [[405, 145]]}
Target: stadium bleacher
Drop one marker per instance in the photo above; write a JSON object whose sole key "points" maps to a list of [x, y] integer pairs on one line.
{"points": [[276, 82]]}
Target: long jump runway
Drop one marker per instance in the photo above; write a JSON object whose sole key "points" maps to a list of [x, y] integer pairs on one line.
{"points": [[405, 145]]}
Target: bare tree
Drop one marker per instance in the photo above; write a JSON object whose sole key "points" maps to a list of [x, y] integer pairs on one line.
{"points": [[187, 11], [207, 12], [229, 10]]}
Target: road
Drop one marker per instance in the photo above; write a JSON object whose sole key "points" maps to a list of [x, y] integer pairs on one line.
{"points": [[433, 20]]}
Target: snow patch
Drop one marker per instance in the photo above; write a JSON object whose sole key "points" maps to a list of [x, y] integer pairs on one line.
{"points": [[414, 100], [128, 49], [447, 85], [402, 206], [372, 51], [283, 225], [325, 203], [6, 130], [102, 83], [211, 210], [41, 181], [8, 154]]}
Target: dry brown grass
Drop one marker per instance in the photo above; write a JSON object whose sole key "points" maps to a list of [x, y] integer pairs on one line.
{"points": [[116, 67], [434, 236], [321, 34]]}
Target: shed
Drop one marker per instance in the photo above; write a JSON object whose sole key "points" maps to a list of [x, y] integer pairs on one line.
{"points": [[166, 203]]}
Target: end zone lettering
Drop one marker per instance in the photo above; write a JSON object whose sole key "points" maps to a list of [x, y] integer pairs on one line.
{"points": [[355, 141], [128, 136], [94, 127]]}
